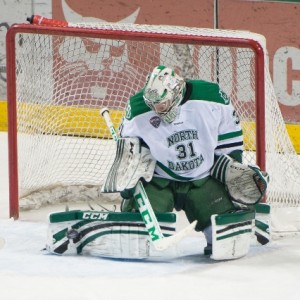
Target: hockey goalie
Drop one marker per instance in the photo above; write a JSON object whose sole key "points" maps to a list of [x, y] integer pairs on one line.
{"points": [[180, 148]]}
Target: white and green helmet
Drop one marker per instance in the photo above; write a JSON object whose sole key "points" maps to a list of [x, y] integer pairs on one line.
{"points": [[163, 92]]}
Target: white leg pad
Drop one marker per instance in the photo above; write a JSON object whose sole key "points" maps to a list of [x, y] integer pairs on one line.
{"points": [[231, 234], [106, 234], [262, 223]]}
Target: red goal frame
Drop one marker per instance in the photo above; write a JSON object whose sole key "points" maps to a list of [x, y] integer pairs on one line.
{"points": [[125, 35]]}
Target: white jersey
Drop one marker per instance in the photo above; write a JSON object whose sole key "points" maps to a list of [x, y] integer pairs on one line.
{"points": [[206, 125]]}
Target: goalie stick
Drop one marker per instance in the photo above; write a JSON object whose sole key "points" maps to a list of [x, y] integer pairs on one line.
{"points": [[159, 241]]}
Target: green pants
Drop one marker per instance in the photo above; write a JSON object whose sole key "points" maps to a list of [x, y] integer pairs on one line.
{"points": [[199, 199]]}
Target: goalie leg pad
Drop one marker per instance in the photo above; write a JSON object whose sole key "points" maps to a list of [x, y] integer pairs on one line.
{"points": [[106, 234], [231, 234], [262, 223]]}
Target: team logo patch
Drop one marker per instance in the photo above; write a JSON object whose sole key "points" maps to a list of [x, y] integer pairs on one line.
{"points": [[155, 121]]}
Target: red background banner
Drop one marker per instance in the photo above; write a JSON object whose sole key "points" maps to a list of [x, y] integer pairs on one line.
{"points": [[277, 21]]}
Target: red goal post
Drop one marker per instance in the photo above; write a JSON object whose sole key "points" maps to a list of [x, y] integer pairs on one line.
{"points": [[60, 75]]}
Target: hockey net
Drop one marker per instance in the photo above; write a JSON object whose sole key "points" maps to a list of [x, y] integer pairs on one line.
{"points": [[60, 75]]}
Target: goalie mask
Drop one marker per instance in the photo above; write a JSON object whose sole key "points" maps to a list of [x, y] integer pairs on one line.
{"points": [[163, 92]]}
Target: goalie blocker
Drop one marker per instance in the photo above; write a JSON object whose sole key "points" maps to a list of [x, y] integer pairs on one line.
{"points": [[133, 162]]}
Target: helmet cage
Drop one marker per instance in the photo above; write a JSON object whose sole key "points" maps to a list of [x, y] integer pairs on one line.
{"points": [[164, 86]]}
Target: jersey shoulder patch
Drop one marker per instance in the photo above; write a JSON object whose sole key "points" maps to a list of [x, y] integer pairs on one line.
{"points": [[208, 91], [136, 106]]}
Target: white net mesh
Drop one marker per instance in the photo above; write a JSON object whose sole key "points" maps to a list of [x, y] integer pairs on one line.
{"points": [[63, 81]]}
